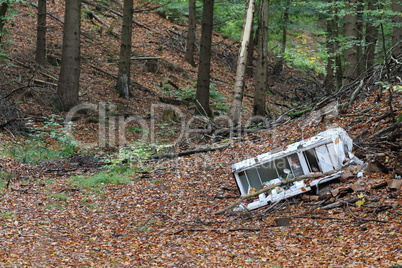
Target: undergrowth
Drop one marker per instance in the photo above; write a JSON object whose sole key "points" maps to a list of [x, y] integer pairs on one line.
{"points": [[114, 175], [49, 141]]}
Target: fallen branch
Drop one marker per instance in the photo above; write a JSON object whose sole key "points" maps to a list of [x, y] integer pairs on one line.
{"points": [[385, 130], [103, 71], [174, 155], [317, 218], [96, 17], [146, 58], [218, 230], [303, 177]]}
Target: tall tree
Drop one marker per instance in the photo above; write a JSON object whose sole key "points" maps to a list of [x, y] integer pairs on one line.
{"points": [[278, 68], [371, 36], [330, 42], [40, 57], [3, 11], [397, 29], [123, 76], [68, 84], [190, 44], [235, 108], [351, 33], [359, 46], [259, 107], [204, 68]]}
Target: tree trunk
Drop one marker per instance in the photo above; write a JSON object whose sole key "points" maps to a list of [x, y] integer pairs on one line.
{"points": [[123, 76], [338, 55], [250, 52], [190, 44], [329, 78], [359, 47], [351, 33], [68, 84], [397, 29], [204, 68], [259, 107], [40, 57], [235, 109], [281, 59], [371, 37], [3, 11]]}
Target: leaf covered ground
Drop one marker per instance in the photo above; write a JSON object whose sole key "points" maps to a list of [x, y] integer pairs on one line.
{"points": [[163, 213]]}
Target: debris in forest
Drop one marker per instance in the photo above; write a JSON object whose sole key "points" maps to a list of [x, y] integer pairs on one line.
{"points": [[282, 172]]}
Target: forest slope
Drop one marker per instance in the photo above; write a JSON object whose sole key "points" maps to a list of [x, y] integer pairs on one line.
{"points": [[162, 215]]}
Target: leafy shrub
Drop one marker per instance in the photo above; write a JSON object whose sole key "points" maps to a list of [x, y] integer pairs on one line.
{"points": [[114, 175], [45, 142]]}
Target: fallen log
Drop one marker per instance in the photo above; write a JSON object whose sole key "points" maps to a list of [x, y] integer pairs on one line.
{"points": [[184, 153], [303, 177]]}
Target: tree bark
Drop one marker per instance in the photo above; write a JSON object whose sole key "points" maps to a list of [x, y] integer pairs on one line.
{"points": [[190, 44], [397, 29], [351, 33], [235, 109], [281, 59], [123, 76], [259, 107], [40, 57], [330, 73], [3, 11], [371, 37], [68, 84], [359, 46], [204, 68], [250, 52], [338, 56]]}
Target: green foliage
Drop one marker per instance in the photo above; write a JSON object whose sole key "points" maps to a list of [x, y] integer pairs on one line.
{"points": [[131, 154], [188, 94], [7, 215], [10, 12], [60, 196], [45, 142], [4, 177], [120, 167], [175, 10], [112, 175], [228, 18]]}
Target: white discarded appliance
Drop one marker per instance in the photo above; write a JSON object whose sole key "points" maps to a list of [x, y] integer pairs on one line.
{"points": [[324, 152]]}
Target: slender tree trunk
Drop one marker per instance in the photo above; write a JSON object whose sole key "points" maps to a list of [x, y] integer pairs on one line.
{"points": [[329, 78], [397, 29], [204, 68], [190, 44], [123, 76], [281, 59], [338, 55], [359, 47], [3, 11], [235, 108], [371, 37], [351, 33], [41, 34], [68, 84], [259, 107], [250, 52]]}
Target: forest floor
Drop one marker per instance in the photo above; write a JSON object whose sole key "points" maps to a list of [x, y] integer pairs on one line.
{"points": [[163, 214]]}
